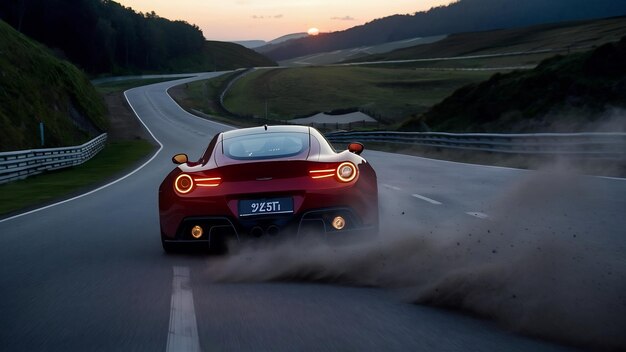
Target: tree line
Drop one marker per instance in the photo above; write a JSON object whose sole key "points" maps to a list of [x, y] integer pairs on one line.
{"points": [[103, 36]]}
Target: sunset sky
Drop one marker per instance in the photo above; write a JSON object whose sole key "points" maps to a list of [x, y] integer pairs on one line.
{"points": [[268, 19]]}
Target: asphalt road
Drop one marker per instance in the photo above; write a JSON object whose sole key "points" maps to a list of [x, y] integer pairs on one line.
{"points": [[90, 274]]}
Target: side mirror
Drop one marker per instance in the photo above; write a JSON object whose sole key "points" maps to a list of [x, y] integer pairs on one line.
{"points": [[180, 159], [356, 148]]}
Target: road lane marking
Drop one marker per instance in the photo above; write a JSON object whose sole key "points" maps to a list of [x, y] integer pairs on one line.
{"points": [[391, 187], [429, 200], [183, 331], [477, 214]]}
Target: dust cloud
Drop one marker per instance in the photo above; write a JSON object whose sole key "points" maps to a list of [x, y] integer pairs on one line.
{"points": [[535, 265]]}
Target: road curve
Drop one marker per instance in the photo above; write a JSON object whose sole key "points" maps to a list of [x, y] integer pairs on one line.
{"points": [[90, 274]]}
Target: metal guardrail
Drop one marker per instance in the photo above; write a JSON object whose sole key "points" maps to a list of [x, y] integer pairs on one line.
{"points": [[599, 145], [23, 163]]}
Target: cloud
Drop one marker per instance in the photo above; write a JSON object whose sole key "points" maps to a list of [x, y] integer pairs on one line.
{"points": [[261, 17], [344, 18]]}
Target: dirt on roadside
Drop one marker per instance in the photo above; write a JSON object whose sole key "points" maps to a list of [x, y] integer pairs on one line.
{"points": [[123, 124]]}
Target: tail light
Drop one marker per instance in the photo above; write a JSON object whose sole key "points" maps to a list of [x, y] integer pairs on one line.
{"points": [[345, 172], [208, 181], [322, 173], [185, 183]]}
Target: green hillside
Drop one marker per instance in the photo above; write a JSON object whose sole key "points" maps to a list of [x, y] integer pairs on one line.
{"points": [[564, 93], [221, 56], [36, 87], [563, 35], [459, 16], [387, 94], [214, 56]]}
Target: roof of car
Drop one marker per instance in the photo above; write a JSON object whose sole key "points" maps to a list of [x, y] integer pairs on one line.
{"points": [[266, 129]]}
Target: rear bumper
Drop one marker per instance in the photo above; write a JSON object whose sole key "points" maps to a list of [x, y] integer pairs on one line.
{"points": [[221, 229]]}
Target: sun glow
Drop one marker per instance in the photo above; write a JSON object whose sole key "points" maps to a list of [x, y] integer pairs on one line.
{"points": [[313, 31]]}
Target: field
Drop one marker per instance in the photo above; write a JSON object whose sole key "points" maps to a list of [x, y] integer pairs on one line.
{"points": [[564, 35], [397, 92], [494, 63], [388, 94]]}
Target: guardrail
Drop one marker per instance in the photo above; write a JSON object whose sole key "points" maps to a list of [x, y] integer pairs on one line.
{"points": [[23, 163], [601, 145]]}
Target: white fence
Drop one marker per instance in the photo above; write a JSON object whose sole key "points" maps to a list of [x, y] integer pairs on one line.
{"points": [[23, 163], [598, 145]]}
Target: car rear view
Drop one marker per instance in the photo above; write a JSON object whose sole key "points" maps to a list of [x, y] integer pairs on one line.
{"points": [[265, 182]]}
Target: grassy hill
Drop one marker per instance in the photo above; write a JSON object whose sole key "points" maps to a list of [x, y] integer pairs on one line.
{"points": [[216, 56], [390, 95], [560, 35], [221, 56], [457, 17], [37, 87], [564, 93]]}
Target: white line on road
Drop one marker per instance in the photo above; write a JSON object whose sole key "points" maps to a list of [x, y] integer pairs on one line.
{"points": [[391, 187], [429, 200], [477, 214], [108, 184], [183, 332]]}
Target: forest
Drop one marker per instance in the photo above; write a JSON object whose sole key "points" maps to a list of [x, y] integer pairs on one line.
{"points": [[103, 36]]}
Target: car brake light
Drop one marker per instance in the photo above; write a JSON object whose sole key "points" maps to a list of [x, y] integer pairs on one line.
{"points": [[208, 181], [322, 173], [183, 184], [346, 172]]}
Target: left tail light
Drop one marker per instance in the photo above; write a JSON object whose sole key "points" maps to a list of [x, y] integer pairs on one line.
{"points": [[184, 183], [208, 181]]}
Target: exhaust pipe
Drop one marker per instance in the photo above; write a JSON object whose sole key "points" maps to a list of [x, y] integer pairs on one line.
{"points": [[272, 230], [256, 231]]}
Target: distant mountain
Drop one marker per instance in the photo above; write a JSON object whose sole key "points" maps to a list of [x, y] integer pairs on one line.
{"points": [[460, 16], [258, 44], [563, 94], [287, 37], [560, 35], [250, 44], [355, 54]]}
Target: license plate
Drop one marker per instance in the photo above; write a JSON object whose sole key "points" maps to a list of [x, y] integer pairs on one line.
{"points": [[265, 206]]}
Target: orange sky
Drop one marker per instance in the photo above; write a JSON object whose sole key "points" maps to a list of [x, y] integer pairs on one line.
{"points": [[268, 19]]}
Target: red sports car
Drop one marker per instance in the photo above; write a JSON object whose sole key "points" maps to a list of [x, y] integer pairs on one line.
{"points": [[266, 181]]}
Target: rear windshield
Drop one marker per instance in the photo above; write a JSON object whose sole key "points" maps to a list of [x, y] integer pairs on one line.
{"points": [[266, 145]]}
